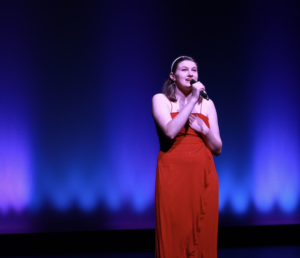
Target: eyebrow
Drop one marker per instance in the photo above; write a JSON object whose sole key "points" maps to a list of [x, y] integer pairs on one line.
{"points": [[187, 67]]}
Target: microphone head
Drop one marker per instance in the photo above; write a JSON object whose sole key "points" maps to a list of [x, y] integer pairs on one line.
{"points": [[192, 82]]}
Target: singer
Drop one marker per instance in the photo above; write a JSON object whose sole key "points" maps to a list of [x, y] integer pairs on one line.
{"points": [[187, 187]]}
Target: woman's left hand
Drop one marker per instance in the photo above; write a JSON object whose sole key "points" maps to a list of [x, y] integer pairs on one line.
{"points": [[198, 124]]}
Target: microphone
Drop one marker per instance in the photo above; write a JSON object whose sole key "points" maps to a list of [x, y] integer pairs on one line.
{"points": [[203, 93]]}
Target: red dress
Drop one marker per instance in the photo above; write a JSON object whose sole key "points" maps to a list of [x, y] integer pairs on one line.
{"points": [[186, 197]]}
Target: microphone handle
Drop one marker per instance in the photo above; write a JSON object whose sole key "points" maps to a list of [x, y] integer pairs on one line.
{"points": [[204, 94]]}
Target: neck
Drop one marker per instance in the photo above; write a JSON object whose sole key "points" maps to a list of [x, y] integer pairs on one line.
{"points": [[182, 96]]}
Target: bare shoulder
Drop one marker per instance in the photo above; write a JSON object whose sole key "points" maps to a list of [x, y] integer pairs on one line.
{"points": [[160, 99], [208, 104], [160, 105], [207, 107]]}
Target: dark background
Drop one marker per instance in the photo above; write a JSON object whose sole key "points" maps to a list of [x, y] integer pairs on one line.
{"points": [[78, 144]]}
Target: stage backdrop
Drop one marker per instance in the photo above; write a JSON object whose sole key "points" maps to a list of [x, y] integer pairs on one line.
{"points": [[78, 145]]}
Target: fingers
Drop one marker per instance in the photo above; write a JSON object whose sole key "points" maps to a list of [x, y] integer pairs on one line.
{"points": [[191, 118], [199, 86]]}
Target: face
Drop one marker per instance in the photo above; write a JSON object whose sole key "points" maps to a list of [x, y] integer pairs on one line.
{"points": [[185, 72]]}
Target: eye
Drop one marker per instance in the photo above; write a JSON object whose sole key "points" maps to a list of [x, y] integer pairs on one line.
{"points": [[183, 69]]}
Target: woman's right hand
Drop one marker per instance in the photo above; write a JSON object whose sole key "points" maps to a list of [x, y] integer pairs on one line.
{"points": [[196, 88]]}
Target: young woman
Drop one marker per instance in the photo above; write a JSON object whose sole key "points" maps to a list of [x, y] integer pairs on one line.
{"points": [[186, 191]]}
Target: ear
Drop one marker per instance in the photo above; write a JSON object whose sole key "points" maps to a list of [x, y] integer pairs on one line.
{"points": [[172, 76]]}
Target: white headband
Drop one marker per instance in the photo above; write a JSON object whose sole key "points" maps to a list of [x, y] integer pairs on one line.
{"points": [[175, 61]]}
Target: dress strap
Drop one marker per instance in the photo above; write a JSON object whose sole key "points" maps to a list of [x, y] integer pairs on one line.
{"points": [[201, 106], [171, 106]]}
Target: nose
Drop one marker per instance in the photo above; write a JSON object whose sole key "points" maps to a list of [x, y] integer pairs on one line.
{"points": [[190, 73]]}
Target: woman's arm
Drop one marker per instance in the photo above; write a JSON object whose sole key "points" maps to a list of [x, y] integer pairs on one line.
{"points": [[161, 113], [212, 134]]}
